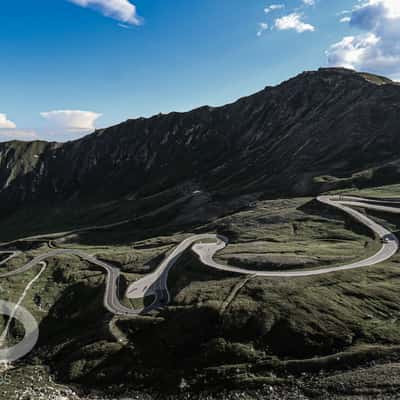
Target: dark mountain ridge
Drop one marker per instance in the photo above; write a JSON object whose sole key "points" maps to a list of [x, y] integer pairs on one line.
{"points": [[320, 130]]}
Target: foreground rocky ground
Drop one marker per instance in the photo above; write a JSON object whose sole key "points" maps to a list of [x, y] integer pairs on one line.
{"points": [[373, 382]]}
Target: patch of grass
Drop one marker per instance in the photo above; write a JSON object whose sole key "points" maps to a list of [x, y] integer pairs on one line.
{"points": [[379, 192], [291, 234]]}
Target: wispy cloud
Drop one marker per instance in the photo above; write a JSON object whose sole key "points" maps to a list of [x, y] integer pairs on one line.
{"points": [[262, 27], [273, 7], [309, 2], [17, 134], [377, 49], [293, 21], [9, 131], [121, 10], [6, 123], [71, 120], [121, 25]]}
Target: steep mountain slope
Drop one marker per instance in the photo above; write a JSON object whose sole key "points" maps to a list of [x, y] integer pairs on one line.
{"points": [[317, 131], [321, 130]]}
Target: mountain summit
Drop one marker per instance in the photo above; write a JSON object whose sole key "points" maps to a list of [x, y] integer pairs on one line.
{"points": [[321, 130]]}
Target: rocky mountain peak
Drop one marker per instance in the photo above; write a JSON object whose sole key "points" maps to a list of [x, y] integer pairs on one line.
{"points": [[317, 131]]}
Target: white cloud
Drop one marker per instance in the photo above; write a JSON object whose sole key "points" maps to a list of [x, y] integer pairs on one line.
{"points": [[309, 2], [293, 21], [9, 131], [17, 134], [72, 120], [344, 12], [6, 123], [350, 51], [273, 7], [377, 49], [344, 20], [121, 10], [262, 27]]}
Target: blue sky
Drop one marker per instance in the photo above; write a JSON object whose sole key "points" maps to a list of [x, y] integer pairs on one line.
{"points": [[70, 65]]}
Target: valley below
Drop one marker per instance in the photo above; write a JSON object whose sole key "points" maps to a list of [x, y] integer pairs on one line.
{"points": [[242, 252]]}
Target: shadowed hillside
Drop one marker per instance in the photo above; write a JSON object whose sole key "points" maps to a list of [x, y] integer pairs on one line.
{"points": [[320, 130]]}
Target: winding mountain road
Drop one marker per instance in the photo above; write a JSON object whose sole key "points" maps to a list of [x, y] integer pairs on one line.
{"points": [[156, 283], [207, 245], [12, 254], [111, 300], [390, 245]]}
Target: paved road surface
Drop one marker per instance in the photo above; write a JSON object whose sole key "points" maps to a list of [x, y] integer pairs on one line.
{"points": [[207, 245], [12, 254], [111, 300], [156, 283], [389, 247]]}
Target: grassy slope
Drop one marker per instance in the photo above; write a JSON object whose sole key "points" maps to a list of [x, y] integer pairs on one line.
{"points": [[216, 319], [287, 234]]}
